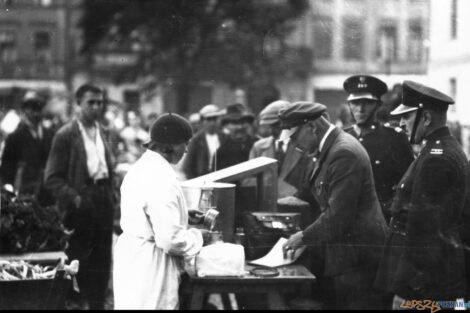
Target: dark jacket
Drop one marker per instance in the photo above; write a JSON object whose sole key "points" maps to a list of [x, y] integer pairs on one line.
{"points": [[390, 155], [231, 152], [424, 258], [196, 162], [67, 176], [24, 160], [351, 229]]}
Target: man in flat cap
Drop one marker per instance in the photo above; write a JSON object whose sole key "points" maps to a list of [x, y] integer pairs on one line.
{"points": [[350, 232], [200, 158], [273, 147], [26, 149], [388, 148], [424, 258]]}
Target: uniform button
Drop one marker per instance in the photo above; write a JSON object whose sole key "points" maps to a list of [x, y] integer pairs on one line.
{"points": [[373, 127], [438, 141], [360, 139], [377, 161]]}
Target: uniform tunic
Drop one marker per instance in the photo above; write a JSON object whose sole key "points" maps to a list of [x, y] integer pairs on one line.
{"points": [[149, 254], [424, 258], [390, 156]]}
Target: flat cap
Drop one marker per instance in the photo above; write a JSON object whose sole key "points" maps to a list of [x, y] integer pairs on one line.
{"points": [[33, 100], [364, 87], [270, 114], [299, 113], [210, 110], [170, 128], [421, 96], [402, 109]]}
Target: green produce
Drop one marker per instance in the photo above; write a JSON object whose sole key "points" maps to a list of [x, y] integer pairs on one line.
{"points": [[25, 226]]}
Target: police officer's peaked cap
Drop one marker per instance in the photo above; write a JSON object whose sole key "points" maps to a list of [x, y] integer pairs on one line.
{"points": [[364, 87], [33, 100], [170, 128], [210, 110], [270, 114], [402, 109], [421, 96], [299, 113]]}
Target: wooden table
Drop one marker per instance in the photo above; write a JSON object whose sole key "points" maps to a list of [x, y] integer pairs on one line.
{"points": [[35, 256], [273, 287]]}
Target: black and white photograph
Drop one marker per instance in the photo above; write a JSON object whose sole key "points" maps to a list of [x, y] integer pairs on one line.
{"points": [[234, 155]]}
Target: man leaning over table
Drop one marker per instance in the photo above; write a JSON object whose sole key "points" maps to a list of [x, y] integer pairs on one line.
{"points": [[349, 234]]}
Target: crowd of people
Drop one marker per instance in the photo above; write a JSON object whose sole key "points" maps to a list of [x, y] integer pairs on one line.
{"points": [[388, 198]]}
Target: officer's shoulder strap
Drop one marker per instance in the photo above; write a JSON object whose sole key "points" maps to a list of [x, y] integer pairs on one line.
{"points": [[395, 129]]}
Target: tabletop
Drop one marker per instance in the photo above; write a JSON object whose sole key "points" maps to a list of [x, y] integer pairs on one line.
{"points": [[289, 273]]}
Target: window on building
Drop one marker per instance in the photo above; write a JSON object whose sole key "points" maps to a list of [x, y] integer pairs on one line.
{"points": [[453, 19], [42, 46], [415, 41], [353, 36], [453, 92], [322, 38], [387, 45], [132, 99], [8, 52]]}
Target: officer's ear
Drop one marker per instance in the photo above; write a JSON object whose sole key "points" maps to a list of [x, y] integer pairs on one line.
{"points": [[427, 118]]}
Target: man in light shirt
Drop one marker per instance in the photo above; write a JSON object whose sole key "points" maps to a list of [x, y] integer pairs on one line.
{"points": [[79, 174], [200, 159]]}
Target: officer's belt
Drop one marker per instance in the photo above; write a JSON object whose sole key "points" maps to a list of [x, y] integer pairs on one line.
{"points": [[398, 227]]}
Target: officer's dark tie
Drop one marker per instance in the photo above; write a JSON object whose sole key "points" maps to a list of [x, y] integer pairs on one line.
{"points": [[280, 154]]}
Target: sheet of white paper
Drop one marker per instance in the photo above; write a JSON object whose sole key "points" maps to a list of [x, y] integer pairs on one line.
{"points": [[275, 257]]}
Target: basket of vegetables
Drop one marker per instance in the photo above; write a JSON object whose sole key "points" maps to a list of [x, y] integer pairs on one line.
{"points": [[38, 285], [25, 226]]}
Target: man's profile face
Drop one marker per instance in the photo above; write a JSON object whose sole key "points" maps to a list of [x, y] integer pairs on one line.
{"points": [[363, 109], [305, 138], [407, 121], [91, 106]]}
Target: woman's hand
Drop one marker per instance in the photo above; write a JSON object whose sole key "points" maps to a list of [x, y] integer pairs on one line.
{"points": [[195, 216]]}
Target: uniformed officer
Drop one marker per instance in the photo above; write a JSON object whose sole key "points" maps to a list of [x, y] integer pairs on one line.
{"points": [[424, 258], [387, 147]]}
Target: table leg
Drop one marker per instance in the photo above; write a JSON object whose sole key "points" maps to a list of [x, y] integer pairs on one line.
{"points": [[197, 298], [226, 301], [276, 300]]}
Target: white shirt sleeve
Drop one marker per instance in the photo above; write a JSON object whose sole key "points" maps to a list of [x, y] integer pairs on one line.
{"points": [[168, 216]]}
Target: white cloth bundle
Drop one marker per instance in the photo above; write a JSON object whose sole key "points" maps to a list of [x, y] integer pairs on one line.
{"points": [[221, 259]]}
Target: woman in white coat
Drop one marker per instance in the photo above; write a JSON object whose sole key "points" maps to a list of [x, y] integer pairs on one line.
{"points": [[149, 254]]}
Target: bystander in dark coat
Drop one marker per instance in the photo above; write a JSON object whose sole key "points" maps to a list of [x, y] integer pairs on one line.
{"points": [[424, 256], [25, 153], [86, 198]]}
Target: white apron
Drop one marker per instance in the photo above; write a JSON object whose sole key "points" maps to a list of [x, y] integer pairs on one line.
{"points": [[149, 254]]}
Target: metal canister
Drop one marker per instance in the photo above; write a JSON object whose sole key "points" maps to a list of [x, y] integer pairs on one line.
{"points": [[210, 218]]}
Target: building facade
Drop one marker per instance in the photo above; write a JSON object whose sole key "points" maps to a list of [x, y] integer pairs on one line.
{"points": [[38, 47], [449, 64], [386, 38]]}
